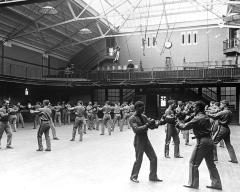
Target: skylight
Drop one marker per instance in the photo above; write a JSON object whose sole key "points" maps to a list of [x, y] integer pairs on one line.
{"points": [[135, 15]]}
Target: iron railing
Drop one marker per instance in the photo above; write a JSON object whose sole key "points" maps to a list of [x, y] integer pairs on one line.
{"points": [[231, 43]]}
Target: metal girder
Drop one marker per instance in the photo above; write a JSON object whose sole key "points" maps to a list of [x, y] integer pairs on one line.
{"points": [[71, 9], [7, 3], [78, 18], [158, 15], [206, 8], [85, 41], [99, 28], [37, 30], [123, 23], [115, 9], [29, 24]]}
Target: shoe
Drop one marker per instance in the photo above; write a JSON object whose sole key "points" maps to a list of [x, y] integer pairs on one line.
{"points": [[101, 134], [39, 150], [212, 187], [156, 180], [55, 138], [167, 157], [72, 140], [9, 147], [47, 149], [231, 161], [134, 180], [179, 157], [189, 186]]}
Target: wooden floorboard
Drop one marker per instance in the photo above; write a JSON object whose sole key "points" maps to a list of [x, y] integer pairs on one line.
{"points": [[103, 163]]}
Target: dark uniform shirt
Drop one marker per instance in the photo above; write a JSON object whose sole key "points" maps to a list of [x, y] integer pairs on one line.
{"points": [[224, 117], [138, 125], [200, 124], [79, 111], [45, 114]]}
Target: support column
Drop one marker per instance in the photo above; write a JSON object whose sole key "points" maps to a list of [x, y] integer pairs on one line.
{"points": [[199, 92], [92, 95], [218, 93], [237, 102], [2, 58], [121, 95], [106, 94]]}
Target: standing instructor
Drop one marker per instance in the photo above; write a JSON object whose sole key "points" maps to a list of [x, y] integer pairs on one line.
{"points": [[140, 124]]}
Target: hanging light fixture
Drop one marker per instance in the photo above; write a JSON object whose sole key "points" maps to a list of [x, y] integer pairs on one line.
{"points": [[85, 31], [49, 10], [26, 91]]}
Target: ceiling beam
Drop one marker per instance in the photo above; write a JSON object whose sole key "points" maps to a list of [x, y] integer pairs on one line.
{"points": [[78, 18], [7, 3]]}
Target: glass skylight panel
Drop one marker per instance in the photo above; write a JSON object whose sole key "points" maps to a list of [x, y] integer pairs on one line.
{"points": [[134, 13]]}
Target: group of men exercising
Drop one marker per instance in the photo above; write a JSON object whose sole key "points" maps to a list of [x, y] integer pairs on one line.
{"points": [[210, 126]]}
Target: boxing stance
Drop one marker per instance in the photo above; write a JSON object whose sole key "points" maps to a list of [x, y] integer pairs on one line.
{"points": [[224, 118], [140, 125], [204, 148]]}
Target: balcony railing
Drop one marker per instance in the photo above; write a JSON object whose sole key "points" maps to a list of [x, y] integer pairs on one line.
{"points": [[231, 43]]}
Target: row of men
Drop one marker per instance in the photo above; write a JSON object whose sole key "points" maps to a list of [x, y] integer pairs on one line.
{"points": [[209, 128], [93, 115]]}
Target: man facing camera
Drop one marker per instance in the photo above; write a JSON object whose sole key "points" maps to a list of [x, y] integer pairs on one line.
{"points": [[204, 148], [140, 125]]}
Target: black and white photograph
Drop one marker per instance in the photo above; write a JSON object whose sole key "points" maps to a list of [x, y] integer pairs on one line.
{"points": [[119, 95]]}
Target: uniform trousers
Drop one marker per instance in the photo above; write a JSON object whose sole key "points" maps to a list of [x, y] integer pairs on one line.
{"points": [[172, 132], [78, 126], [203, 150], [223, 133], [57, 117], [44, 129], [13, 122], [5, 126], [117, 119], [106, 123], [20, 119], [142, 145]]}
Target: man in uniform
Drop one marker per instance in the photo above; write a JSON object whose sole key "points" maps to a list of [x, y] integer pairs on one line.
{"points": [[45, 123], [79, 120], [90, 116], [224, 118], [57, 116], [36, 118], [106, 109], [171, 131], [95, 116], [204, 148], [117, 116], [140, 124], [19, 115], [4, 123]]}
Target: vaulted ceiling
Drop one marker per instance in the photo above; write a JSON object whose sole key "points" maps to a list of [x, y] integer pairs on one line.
{"points": [[59, 33]]}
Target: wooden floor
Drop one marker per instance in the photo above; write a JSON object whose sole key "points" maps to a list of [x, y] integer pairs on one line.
{"points": [[103, 163]]}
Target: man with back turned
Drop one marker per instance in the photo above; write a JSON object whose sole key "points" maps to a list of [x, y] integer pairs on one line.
{"points": [[204, 148], [140, 125]]}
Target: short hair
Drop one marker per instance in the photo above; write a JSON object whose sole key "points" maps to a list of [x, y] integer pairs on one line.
{"points": [[200, 105], [5, 100], [212, 102], [217, 104], [180, 103], [80, 101], [46, 102], [171, 101], [138, 104], [225, 102]]}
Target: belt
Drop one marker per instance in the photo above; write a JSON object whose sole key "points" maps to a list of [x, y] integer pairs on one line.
{"points": [[45, 120], [116, 113], [79, 116]]}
